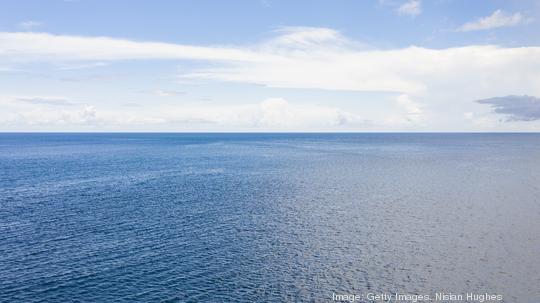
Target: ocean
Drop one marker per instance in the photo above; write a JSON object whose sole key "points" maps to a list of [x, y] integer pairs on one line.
{"points": [[125, 217]]}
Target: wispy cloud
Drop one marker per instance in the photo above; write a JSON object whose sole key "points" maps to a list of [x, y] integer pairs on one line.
{"points": [[29, 25], [82, 66], [410, 8], [131, 104], [265, 3], [44, 46], [167, 93], [312, 58], [498, 19], [162, 92], [331, 61], [516, 108], [54, 101]]}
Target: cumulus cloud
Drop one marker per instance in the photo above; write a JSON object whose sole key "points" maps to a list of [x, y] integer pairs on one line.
{"points": [[86, 115], [516, 108], [270, 114], [498, 19], [410, 8], [278, 112]]}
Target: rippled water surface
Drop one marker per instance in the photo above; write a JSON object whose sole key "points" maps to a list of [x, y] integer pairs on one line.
{"points": [[267, 217]]}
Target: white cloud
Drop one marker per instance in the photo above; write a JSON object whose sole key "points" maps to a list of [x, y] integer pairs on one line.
{"points": [[265, 3], [277, 112], [407, 113], [410, 8], [412, 110], [44, 46], [166, 93], [303, 39], [412, 70], [270, 114], [443, 81], [495, 20], [48, 114], [29, 25], [481, 120], [82, 66], [56, 101], [316, 58]]}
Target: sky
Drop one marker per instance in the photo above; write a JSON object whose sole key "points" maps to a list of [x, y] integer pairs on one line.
{"points": [[269, 65]]}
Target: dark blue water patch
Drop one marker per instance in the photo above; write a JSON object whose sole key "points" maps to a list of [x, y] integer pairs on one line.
{"points": [[267, 217]]}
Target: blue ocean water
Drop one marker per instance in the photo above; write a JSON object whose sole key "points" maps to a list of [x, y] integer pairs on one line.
{"points": [[267, 217]]}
